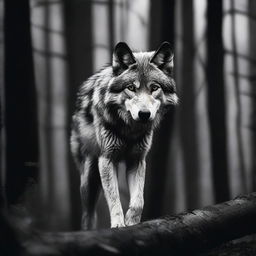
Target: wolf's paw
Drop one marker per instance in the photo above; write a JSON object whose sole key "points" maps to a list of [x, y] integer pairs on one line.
{"points": [[132, 217], [117, 225], [117, 222], [132, 221]]}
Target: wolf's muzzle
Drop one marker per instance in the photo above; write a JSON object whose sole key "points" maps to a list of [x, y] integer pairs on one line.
{"points": [[144, 115]]}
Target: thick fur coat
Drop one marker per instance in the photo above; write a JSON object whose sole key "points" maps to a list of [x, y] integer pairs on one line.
{"points": [[116, 113]]}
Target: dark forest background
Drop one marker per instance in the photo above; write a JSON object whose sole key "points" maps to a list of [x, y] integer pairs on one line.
{"points": [[205, 150]]}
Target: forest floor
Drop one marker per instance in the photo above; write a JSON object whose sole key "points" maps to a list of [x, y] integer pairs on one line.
{"points": [[245, 246]]}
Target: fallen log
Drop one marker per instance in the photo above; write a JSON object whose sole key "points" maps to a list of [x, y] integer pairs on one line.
{"points": [[183, 234]]}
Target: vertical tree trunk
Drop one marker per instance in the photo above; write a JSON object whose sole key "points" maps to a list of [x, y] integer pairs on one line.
{"points": [[216, 101], [2, 110], [252, 51], [90, 41], [161, 22], [20, 100], [111, 25], [78, 24], [238, 118], [188, 123], [162, 29]]}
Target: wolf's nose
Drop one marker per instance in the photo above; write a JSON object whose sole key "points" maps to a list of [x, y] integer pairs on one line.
{"points": [[144, 115]]}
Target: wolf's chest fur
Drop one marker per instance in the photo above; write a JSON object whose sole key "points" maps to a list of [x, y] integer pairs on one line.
{"points": [[98, 126], [116, 113]]}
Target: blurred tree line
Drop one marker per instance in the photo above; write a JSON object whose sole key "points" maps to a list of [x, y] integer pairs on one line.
{"points": [[204, 151]]}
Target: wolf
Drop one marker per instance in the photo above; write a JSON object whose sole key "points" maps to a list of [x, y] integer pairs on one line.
{"points": [[117, 111]]}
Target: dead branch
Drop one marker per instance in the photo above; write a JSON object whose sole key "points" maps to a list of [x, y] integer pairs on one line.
{"points": [[183, 234]]}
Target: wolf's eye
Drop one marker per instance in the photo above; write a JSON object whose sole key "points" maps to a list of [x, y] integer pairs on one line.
{"points": [[154, 88], [131, 88]]}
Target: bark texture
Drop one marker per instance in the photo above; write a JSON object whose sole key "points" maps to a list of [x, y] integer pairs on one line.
{"points": [[184, 234]]}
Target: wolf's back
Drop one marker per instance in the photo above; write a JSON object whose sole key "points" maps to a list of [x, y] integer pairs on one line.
{"points": [[90, 94], [92, 86]]}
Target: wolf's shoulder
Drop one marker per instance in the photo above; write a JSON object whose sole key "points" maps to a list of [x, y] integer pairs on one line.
{"points": [[92, 84], [96, 80]]}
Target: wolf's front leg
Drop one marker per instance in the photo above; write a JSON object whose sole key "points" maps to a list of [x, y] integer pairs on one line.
{"points": [[136, 180], [110, 187]]}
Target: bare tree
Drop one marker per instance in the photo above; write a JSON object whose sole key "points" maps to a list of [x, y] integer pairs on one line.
{"points": [[188, 123], [2, 107], [111, 24], [20, 101], [161, 29], [252, 45], [78, 28], [238, 121], [216, 101]]}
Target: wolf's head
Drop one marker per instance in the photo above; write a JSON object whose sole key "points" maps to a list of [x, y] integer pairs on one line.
{"points": [[142, 85]]}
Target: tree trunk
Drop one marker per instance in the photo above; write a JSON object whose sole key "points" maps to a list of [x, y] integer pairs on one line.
{"points": [[20, 100], [237, 87], [78, 24], [2, 111], [216, 101], [183, 234], [161, 29], [188, 122], [252, 51]]}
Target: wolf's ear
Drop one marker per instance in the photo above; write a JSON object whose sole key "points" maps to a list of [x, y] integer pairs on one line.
{"points": [[163, 58], [122, 58]]}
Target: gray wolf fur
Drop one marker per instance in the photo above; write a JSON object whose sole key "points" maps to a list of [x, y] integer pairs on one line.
{"points": [[116, 113]]}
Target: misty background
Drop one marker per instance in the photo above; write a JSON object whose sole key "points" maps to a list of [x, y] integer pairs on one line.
{"points": [[205, 149]]}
